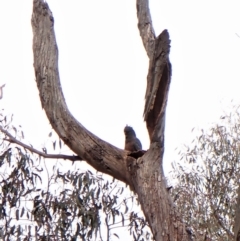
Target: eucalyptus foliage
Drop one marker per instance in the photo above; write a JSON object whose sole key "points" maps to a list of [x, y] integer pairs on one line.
{"points": [[40, 204], [207, 178]]}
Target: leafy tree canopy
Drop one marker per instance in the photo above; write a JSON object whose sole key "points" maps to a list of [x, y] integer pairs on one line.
{"points": [[207, 177], [41, 204]]}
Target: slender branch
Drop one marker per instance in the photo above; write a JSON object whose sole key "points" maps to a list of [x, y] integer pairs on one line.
{"points": [[127, 219], [118, 227], [1, 91], [106, 222], [12, 139], [49, 180], [100, 234]]}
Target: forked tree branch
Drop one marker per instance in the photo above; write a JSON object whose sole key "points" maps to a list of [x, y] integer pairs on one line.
{"points": [[144, 174], [101, 155]]}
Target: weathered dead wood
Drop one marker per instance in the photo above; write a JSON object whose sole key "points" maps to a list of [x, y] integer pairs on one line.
{"points": [[149, 181], [101, 155], [158, 82], [144, 174], [159, 73], [145, 26], [164, 220]]}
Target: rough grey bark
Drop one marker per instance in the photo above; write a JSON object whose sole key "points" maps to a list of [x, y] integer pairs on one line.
{"points": [[159, 208], [142, 172], [145, 26], [98, 153]]}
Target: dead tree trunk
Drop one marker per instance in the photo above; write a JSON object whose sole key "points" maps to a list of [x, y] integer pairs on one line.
{"points": [[144, 175]]}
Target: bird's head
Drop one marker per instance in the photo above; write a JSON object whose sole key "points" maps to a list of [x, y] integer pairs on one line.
{"points": [[128, 130]]}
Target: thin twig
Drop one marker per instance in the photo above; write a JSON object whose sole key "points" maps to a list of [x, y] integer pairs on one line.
{"points": [[1, 91], [12, 139]]}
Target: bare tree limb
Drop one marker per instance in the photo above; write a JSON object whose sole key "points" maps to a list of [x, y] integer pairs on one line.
{"points": [[159, 74], [12, 139], [158, 83], [99, 154], [144, 173], [1, 91], [145, 26], [156, 202]]}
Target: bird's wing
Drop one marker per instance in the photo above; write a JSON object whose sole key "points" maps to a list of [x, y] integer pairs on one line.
{"points": [[137, 145]]}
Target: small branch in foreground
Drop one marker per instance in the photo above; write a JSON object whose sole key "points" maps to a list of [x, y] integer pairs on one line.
{"points": [[1, 91], [12, 139]]}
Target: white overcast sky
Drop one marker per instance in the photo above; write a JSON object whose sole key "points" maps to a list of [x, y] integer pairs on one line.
{"points": [[103, 65]]}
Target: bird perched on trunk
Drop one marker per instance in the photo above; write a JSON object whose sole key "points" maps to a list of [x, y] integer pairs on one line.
{"points": [[132, 143]]}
